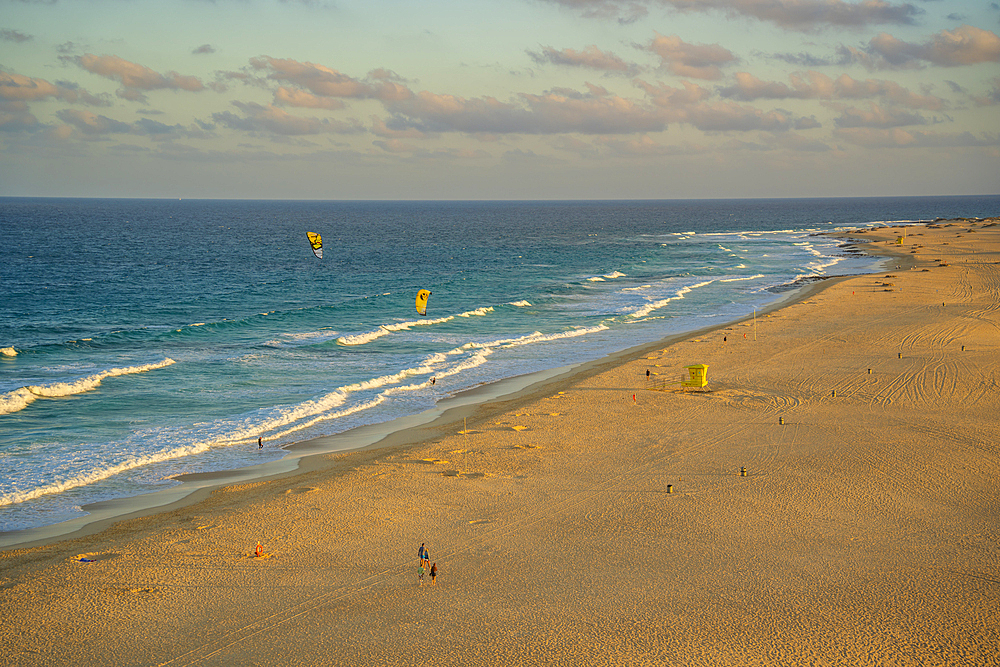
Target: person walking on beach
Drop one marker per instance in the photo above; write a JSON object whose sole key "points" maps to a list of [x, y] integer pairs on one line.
{"points": [[420, 574], [260, 443], [434, 574], [422, 553]]}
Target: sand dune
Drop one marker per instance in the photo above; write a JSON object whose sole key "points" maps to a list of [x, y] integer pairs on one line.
{"points": [[574, 524]]}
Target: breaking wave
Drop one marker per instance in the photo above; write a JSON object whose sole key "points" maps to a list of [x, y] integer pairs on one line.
{"points": [[22, 397]]}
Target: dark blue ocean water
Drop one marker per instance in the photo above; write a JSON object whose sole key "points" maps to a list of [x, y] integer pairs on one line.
{"points": [[141, 339]]}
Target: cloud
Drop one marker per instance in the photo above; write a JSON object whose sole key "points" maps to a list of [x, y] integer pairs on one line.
{"points": [[272, 120], [645, 146], [92, 124], [991, 98], [791, 14], [691, 105], [849, 88], [898, 138], [802, 59], [552, 112], [395, 128], [726, 117], [698, 61], [204, 48], [14, 36], [807, 123], [670, 97], [590, 58], [878, 117], [326, 82], [135, 78], [965, 45], [815, 85], [19, 87], [15, 117], [300, 98]]}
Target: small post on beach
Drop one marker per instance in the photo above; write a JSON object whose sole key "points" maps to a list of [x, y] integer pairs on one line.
{"points": [[834, 394], [869, 371], [963, 348], [781, 420], [670, 488], [899, 354], [743, 472]]}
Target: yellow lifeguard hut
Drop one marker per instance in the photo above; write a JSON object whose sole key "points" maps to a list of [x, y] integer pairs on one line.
{"points": [[698, 376]]}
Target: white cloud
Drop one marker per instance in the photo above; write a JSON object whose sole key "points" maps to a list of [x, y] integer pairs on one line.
{"points": [[269, 119], [136, 78], [697, 61], [791, 14], [19, 87], [965, 45], [878, 117], [876, 138], [815, 85], [590, 57]]}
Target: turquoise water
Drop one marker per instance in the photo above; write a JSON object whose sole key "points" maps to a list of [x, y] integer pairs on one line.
{"points": [[142, 339]]}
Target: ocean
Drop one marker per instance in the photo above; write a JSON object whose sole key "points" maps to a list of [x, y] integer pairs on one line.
{"points": [[145, 339]]}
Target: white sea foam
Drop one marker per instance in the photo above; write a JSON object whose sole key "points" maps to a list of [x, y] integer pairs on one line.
{"points": [[304, 338], [22, 397], [736, 280], [386, 329], [615, 274], [16, 400], [478, 311], [656, 305], [8, 351], [310, 413], [596, 279], [520, 304], [99, 474]]}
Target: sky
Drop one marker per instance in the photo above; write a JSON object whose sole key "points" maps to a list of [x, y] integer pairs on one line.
{"points": [[499, 99]]}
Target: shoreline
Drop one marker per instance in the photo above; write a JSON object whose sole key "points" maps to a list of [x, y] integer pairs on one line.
{"points": [[828, 499], [305, 456], [477, 402]]}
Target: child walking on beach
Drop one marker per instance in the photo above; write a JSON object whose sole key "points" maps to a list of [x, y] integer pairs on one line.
{"points": [[434, 574], [420, 574]]}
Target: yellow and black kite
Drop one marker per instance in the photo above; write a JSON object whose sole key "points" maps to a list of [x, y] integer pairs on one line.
{"points": [[317, 243]]}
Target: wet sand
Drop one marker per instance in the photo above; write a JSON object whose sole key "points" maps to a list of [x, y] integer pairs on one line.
{"points": [[602, 518]]}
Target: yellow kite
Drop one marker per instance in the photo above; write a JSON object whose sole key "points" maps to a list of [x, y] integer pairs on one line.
{"points": [[422, 301], [317, 243]]}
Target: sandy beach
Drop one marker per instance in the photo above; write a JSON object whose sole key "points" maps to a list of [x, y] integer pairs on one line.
{"points": [[600, 517]]}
